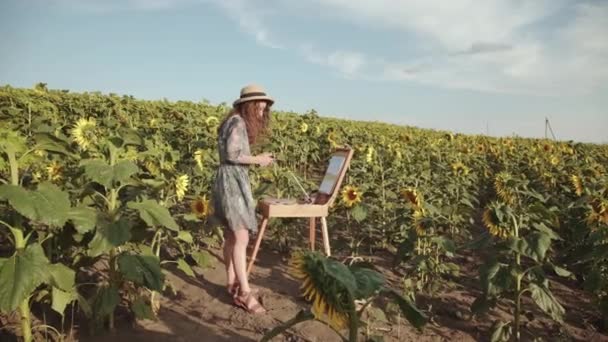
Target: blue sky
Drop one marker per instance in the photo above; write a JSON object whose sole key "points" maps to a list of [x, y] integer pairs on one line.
{"points": [[502, 65]]}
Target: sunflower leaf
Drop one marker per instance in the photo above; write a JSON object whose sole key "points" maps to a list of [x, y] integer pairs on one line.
{"points": [[342, 274], [409, 310], [368, 282]]}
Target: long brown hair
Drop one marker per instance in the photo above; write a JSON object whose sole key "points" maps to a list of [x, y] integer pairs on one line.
{"points": [[256, 127]]}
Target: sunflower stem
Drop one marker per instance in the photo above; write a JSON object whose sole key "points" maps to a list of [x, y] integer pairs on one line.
{"points": [[303, 315]]}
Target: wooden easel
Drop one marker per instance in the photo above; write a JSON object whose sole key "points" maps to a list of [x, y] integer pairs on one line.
{"points": [[319, 208]]}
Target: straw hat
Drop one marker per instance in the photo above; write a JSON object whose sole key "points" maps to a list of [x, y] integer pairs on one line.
{"points": [[253, 92]]}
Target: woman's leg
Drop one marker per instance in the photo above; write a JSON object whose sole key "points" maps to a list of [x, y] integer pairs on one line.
{"points": [[229, 241], [240, 267]]}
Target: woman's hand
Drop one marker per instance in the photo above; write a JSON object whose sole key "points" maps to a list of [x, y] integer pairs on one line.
{"points": [[265, 159]]}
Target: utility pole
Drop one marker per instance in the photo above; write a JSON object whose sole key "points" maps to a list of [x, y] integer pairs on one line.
{"points": [[548, 126]]}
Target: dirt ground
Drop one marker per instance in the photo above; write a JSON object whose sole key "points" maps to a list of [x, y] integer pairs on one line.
{"points": [[201, 310]]}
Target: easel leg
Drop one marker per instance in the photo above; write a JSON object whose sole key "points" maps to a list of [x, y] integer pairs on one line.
{"points": [[312, 232], [257, 245], [325, 236]]}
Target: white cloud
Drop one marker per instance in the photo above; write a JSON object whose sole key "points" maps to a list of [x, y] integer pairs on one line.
{"points": [[347, 62], [250, 19], [502, 45]]}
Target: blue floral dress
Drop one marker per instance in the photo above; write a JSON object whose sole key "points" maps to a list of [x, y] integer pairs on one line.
{"points": [[232, 198]]}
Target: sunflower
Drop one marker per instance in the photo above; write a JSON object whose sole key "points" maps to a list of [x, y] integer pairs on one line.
{"points": [[152, 167], [211, 120], [370, 154], [181, 186], [412, 196], [459, 168], [351, 195], [198, 157], [84, 133], [598, 212], [200, 207], [54, 171], [554, 160], [153, 123], [490, 221], [329, 296], [331, 138], [481, 148], [304, 127], [503, 185], [577, 184], [421, 223], [40, 153], [547, 147]]}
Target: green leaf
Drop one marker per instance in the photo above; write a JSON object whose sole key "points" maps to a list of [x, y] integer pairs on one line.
{"points": [[142, 310], [20, 199], [62, 276], [562, 272], [142, 270], [541, 227], [546, 301], [48, 204], [154, 214], [202, 259], [20, 275], [84, 218], [101, 172], [2, 261], [123, 170], [105, 301], [98, 171], [533, 246], [61, 299], [47, 142], [368, 282], [183, 265], [501, 332], [84, 305], [359, 213], [109, 236], [409, 310], [52, 204], [445, 243], [341, 273], [185, 236]]}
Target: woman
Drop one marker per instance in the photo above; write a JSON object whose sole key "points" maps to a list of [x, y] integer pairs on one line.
{"points": [[233, 200]]}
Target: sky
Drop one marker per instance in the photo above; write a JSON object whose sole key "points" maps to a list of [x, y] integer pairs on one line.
{"points": [[497, 67]]}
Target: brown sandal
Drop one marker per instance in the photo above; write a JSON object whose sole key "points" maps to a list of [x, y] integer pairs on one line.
{"points": [[244, 299], [233, 289]]}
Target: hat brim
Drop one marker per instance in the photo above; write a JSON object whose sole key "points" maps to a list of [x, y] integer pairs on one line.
{"points": [[253, 98]]}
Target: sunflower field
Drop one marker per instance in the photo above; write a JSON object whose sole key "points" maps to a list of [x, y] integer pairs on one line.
{"points": [[100, 192]]}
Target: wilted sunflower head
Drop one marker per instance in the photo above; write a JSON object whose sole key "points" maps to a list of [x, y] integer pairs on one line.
{"points": [[412, 196], [84, 133], [351, 195], [54, 171], [504, 185], [491, 222], [200, 207], [331, 299], [598, 212], [577, 184], [181, 186]]}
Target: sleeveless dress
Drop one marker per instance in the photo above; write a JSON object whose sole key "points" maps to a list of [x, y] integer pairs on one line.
{"points": [[232, 197]]}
